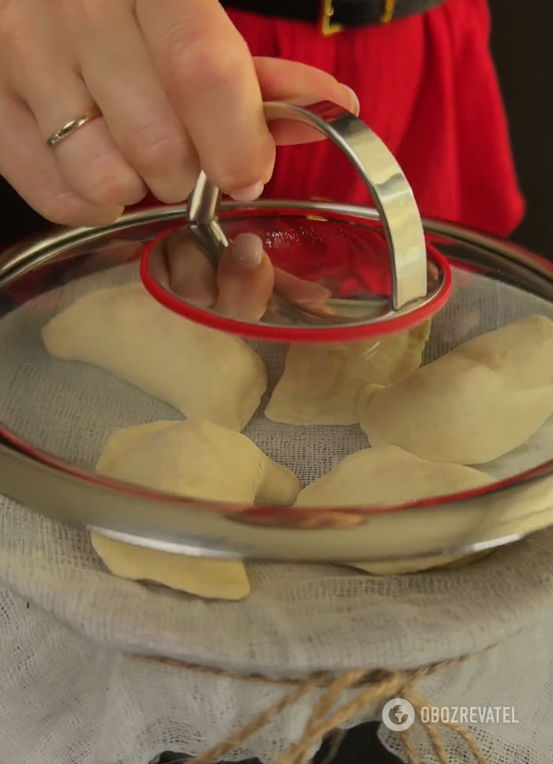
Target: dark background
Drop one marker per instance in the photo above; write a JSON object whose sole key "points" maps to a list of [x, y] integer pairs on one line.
{"points": [[522, 48], [521, 44]]}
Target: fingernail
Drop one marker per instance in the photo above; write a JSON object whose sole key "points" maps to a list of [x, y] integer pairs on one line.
{"points": [[169, 191], [247, 250], [355, 107], [249, 194]]}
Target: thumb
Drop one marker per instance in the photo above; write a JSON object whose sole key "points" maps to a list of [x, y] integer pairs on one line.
{"points": [[245, 279]]}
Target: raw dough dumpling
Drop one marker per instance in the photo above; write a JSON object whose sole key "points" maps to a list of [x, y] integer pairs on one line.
{"points": [[401, 567], [475, 404], [321, 383], [387, 476], [193, 459], [197, 460], [384, 477], [205, 374], [203, 577]]}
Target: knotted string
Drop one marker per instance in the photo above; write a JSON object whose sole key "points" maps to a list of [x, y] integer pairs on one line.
{"points": [[331, 711]]}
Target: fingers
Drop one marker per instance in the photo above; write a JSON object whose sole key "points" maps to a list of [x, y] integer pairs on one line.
{"points": [[243, 283], [298, 290], [89, 159], [209, 74], [114, 61], [290, 81], [190, 274], [245, 279], [241, 286], [30, 167], [46, 81]]}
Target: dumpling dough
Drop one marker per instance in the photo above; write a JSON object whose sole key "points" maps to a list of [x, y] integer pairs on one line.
{"points": [[197, 460], [384, 477], [387, 476], [321, 383], [475, 404], [193, 459], [211, 579], [401, 567], [205, 374]]}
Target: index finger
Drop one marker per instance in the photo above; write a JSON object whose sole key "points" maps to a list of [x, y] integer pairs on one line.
{"points": [[210, 76]]}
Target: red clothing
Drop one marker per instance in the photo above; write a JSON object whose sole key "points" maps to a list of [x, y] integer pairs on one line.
{"points": [[428, 88]]}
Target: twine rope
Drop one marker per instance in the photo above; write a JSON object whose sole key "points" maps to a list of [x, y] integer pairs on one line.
{"points": [[330, 711]]}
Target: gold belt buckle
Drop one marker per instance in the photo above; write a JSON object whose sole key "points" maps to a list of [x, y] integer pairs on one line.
{"points": [[388, 12], [328, 28]]}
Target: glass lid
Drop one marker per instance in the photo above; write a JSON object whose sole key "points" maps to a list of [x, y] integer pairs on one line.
{"points": [[299, 277], [178, 434]]}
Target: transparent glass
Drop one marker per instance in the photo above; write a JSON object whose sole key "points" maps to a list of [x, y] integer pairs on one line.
{"points": [[69, 408], [321, 278]]}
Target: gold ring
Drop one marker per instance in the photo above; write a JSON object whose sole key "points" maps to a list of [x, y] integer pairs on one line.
{"points": [[69, 128]]}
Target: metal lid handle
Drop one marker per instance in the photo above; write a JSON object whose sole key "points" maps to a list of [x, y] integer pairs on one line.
{"points": [[382, 175]]}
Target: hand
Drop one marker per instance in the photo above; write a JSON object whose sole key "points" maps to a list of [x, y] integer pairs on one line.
{"points": [[240, 287], [177, 88]]}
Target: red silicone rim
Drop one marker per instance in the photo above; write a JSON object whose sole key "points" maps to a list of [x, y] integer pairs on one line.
{"points": [[49, 460], [288, 334]]}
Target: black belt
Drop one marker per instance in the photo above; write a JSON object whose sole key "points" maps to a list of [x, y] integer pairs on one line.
{"points": [[334, 15]]}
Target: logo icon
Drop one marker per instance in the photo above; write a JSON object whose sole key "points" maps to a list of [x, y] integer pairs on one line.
{"points": [[398, 714]]}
